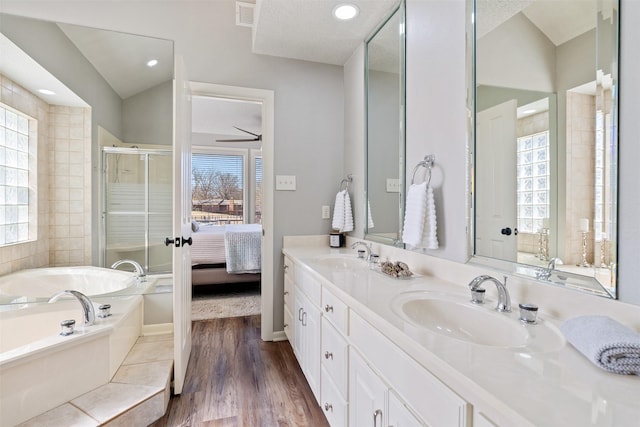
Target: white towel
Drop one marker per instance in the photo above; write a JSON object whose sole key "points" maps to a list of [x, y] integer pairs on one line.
{"points": [[369, 217], [414, 214], [605, 342], [342, 215], [429, 235]]}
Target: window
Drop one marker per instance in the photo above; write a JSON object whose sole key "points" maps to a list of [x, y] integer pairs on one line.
{"points": [[257, 197], [16, 173], [533, 181], [217, 186]]}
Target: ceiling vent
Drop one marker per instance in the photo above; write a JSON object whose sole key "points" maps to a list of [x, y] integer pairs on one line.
{"points": [[244, 14]]}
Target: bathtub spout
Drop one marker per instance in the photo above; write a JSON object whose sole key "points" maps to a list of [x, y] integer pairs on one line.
{"points": [[87, 306], [139, 270]]}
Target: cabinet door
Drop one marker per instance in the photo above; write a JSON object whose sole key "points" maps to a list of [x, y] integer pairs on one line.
{"points": [[297, 326], [367, 394], [311, 351], [399, 414]]}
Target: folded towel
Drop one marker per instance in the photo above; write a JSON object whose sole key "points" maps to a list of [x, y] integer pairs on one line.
{"points": [[342, 214], [338, 212], [429, 234], [414, 214], [607, 343], [348, 214]]}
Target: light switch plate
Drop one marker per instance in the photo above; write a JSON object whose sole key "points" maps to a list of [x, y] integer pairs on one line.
{"points": [[286, 182], [393, 185], [326, 213]]}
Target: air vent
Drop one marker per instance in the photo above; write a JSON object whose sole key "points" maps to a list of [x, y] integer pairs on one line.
{"points": [[244, 14]]}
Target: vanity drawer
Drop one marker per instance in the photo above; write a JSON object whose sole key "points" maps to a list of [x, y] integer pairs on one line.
{"points": [[335, 356], [331, 402], [335, 311], [288, 292], [288, 323]]}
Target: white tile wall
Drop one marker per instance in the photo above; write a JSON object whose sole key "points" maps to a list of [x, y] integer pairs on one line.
{"points": [[63, 186]]}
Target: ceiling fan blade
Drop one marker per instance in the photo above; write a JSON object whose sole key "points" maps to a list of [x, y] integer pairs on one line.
{"points": [[250, 133], [238, 140]]}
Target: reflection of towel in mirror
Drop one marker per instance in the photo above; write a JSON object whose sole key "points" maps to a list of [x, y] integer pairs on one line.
{"points": [[414, 214], [342, 215], [605, 342], [369, 217]]}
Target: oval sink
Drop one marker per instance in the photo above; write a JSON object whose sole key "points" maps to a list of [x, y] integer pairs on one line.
{"points": [[340, 262], [452, 316]]}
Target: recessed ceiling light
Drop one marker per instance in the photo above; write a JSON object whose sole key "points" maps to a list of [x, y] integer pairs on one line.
{"points": [[345, 11], [152, 63], [46, 92]]}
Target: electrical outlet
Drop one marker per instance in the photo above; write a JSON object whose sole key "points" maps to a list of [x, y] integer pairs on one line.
{"points": [[286, 182], [326, 213], [393, 185]]}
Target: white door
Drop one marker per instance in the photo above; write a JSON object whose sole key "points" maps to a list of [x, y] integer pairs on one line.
{"points": [[495, 173], [181, 224]]}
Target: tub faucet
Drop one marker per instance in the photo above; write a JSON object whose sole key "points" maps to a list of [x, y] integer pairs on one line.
{"points": [[366, 246], [504, 301], [139, 270], [85, 302], [545, 273]]}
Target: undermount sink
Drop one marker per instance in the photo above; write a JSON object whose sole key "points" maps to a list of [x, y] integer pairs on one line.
{"points": [[453, 316], [341, 262]]}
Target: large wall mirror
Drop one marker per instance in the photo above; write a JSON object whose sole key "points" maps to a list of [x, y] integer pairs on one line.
{"points": [[102, 93], [545, 155], [385, 82]]}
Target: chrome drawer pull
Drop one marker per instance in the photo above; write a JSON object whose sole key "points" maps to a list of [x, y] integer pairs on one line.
{"points": [[328, 355], [328, 308]]}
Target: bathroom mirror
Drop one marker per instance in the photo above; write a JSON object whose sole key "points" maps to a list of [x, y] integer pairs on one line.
{"points": [[385, 118], [545, 153], [105, 95]]}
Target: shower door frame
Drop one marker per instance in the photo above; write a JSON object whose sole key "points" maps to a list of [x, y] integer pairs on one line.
{"points": [[103, 200]]}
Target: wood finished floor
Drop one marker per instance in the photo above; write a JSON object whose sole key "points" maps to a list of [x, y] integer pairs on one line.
{"points": [[234, 379]]}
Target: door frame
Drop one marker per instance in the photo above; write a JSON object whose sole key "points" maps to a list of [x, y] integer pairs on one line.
{"points": [[266, 98]]}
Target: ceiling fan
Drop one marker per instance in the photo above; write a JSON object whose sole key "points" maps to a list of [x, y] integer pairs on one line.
{"points": [[256, 137]]}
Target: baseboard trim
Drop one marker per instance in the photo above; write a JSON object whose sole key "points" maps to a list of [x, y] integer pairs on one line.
{"points": [[279, 336]]}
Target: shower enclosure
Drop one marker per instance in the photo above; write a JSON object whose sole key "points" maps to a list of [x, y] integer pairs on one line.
{"points": [[137, 207]]}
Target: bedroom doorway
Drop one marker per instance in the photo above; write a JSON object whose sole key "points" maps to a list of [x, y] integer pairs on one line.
{"points": [[231, 153]]}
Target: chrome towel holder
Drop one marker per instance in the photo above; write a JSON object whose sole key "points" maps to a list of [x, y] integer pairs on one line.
{"points": [[427, 162], [345, 182]]}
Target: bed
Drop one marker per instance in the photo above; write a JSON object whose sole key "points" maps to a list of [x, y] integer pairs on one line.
{"points": [[226, 254]]}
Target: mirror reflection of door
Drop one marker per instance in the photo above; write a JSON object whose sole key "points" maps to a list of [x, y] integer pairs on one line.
{"points": [[496, 182]]}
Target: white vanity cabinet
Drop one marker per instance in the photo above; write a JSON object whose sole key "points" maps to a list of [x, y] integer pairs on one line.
{"points": [[368, 394], [289, 324], [334, 359], [432, 401], [306, 324], [400, 415]]}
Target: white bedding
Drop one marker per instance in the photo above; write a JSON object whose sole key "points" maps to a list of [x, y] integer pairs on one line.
{"points": [[238, 246]]}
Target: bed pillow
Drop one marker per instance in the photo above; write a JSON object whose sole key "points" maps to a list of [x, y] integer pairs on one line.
{"points": [[195, 226]]}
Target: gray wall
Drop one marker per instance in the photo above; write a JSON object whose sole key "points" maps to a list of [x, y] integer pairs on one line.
{"points": [[147, 117]]}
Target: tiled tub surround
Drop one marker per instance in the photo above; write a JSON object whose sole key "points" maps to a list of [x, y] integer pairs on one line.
{"points": [[508, 386], [39, 369], [63, 186]]}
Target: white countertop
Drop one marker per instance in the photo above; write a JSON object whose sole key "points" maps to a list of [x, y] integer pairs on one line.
{"points": [[512, 386]]}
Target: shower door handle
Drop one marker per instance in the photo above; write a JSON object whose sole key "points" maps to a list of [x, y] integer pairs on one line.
{"points": [[176, 242], [188, 241]]}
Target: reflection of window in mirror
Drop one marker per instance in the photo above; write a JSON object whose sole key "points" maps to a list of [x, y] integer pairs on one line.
{"points": [[18, 141]]}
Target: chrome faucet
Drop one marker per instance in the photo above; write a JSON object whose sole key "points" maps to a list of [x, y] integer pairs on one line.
{"points": [[87, 306], [139, 270], [545, 273], [367, 246], [504, 301]]}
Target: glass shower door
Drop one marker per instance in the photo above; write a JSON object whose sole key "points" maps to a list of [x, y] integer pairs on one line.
{"points": [[137, 207]]}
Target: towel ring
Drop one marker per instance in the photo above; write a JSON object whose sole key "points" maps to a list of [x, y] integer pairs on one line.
{"points": [[346, 182], [428, 162]]}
